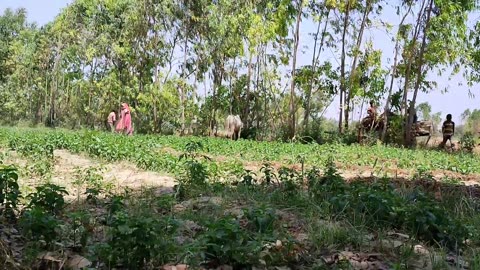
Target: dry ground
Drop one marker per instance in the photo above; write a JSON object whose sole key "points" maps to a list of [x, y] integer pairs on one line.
{"points": [[68, 167]]}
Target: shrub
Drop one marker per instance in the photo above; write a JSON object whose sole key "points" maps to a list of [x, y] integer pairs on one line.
{"points": [[38, 224], [136, 240], [9, 189], [48, 197], [468, 142]]}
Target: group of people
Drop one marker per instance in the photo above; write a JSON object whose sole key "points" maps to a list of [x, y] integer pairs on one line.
{"points": [[124, 123], [448, 126]]}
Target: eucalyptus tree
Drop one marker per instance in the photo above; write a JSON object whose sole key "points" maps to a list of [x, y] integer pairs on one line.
{"points": [[438, 40]]}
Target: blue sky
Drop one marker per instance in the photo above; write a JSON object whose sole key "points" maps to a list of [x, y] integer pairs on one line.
{"points": [[454, 101]]}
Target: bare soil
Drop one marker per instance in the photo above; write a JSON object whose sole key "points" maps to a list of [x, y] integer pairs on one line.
{"points": [[120, 175]]}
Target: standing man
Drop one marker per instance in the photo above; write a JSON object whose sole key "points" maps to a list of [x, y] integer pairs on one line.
{"points": [[112, 117], [448, 130]]}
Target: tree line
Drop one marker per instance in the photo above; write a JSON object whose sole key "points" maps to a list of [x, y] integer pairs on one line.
{"points": [[178, 61]]}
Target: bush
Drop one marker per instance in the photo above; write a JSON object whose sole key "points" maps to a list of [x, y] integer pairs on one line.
{"points": [[468, 142], [38, 224], [9, 189], [136, 240], [48, 197], [380, 204]]}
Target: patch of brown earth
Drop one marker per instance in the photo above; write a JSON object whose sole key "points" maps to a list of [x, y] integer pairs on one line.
{"points": [[122, 174]]}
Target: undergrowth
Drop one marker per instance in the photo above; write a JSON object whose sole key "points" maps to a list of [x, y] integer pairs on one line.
{"points": [[228, 215]]}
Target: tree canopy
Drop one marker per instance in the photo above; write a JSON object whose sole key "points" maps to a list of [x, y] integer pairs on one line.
{"points": [[175, 61]]}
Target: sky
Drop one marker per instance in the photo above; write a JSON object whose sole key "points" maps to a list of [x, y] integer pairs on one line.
{"points": [[456, 100]]}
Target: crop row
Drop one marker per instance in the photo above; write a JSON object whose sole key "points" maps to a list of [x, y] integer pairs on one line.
{"points": [[148, 151]]}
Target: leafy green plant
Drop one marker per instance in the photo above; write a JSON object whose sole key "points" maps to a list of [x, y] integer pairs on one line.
{"points": [[38, 224], [468, 142], [260, 219], [92, 180], [269, 175], [225, 242], [191, 151], [248, 178], [9, 189], [80, 228], [290, 180], [41, 166], [136, 240], [48, 197]]}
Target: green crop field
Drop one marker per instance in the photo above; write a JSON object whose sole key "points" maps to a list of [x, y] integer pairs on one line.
{"points": [[240, 204]]}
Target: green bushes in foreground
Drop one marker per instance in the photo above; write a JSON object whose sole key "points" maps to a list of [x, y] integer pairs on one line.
{"points": [[253, 221]]}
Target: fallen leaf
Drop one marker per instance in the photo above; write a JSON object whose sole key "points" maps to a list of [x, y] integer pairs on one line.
{"points": [[419, 249], [399, 235], [48, 256], [329, 259], [301, 237], [77, 262], [175, 267], [278, 244], [182, 267]]}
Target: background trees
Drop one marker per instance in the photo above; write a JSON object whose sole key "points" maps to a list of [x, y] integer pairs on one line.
{"points": [[174, 61]]}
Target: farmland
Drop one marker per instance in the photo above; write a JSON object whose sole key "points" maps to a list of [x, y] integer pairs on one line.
{"points": [[144, 202]]}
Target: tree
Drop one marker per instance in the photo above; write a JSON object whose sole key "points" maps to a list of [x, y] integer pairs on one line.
{"points": [[473, 122], [425, 109], [439, 38]]}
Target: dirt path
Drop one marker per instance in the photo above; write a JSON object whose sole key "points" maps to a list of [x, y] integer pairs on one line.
{"points": [[69, 166], [122, 173]]}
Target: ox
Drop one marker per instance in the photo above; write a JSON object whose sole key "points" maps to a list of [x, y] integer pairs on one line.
{"points": [[233, 126]]}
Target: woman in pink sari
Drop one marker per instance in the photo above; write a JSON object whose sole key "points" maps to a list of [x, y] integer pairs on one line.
{"points": [[124, 124]]}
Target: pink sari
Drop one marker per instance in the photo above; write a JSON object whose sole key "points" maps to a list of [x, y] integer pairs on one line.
{"points": [[126, 120], [120, 125]]}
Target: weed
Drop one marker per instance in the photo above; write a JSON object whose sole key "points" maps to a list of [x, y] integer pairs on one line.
{"points": [[333, 236], [260, 220], [92, 180], [269, 175], [9, 189], [39, 224], [48, 197], [248, 178], [225, 242], [81, 228], [134, 241], [468, 142]]}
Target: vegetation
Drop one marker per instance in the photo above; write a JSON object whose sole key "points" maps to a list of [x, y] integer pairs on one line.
{"points": [[222, 214], [298, 193], [176, 62]]}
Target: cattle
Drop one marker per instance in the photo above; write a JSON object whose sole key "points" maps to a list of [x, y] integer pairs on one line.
{"points": [[233, 126], [419, 128]]}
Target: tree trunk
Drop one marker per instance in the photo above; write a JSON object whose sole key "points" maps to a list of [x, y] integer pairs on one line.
{"points": [[52, 112], [232, 70], [342, 67], [410, 58], [155, 113], [217, 82], [420, 59], [247, 95], [294, 63], [392, 77], [349, 94], [182, 88], [306, 116]]}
